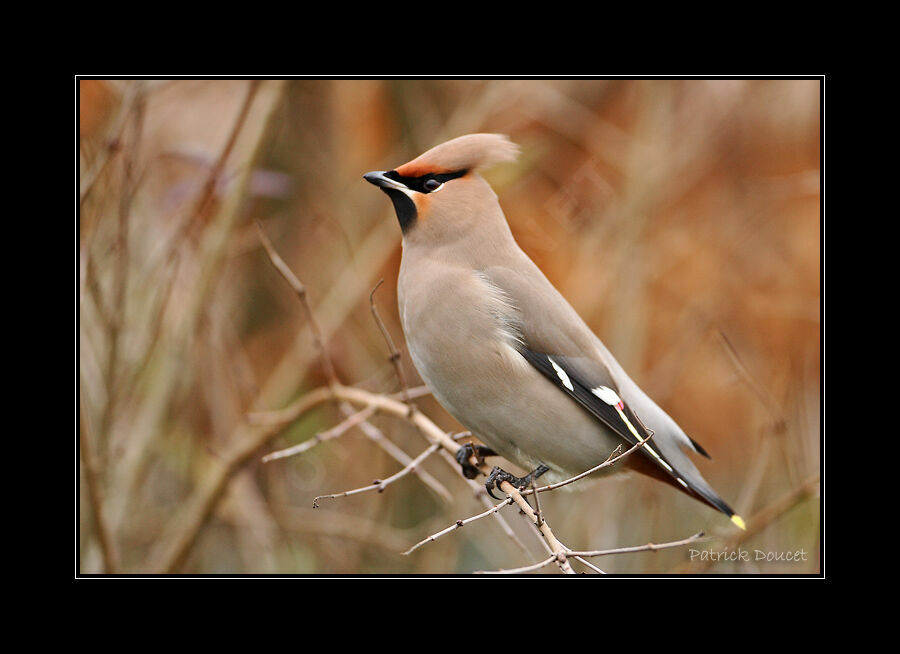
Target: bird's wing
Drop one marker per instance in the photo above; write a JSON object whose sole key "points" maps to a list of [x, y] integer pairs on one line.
{"points": [[557, 342]]}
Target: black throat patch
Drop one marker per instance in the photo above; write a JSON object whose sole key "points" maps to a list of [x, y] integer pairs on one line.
{"points": [[403, 204], [405, 208]]}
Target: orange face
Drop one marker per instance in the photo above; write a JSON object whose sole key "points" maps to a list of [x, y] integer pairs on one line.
{"points": [[410, 192]]}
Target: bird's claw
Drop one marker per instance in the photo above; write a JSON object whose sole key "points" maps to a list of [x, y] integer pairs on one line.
{"points": [[499, 475], [467, 450]]}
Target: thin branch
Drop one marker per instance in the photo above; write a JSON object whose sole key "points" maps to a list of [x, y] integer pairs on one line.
{"points": [[555, 546], [394, 352], [379, 484], [480, 493], [246, 444], [615, 456], [182, 532], [458, 524], [289, 413], [375, 435], [652, 547], [589, 564], [300, 290], [435, 435], [522, 570], [537, 504], [343, 427]]}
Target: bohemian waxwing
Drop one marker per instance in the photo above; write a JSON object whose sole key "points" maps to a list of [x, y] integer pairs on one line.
{"points": [[498, 345]]}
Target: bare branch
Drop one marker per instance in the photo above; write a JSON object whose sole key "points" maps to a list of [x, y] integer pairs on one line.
{"points": [[457, 525], [480, 493], [555, 546], [289, 413], [379, 484], [300, 290], [589, 564], [394, 352], [375, 435], [652, 547], [334, 432], [612, 459]]}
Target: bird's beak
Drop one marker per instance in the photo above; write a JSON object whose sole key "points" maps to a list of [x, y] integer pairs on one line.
{"points": [[378, 178]]}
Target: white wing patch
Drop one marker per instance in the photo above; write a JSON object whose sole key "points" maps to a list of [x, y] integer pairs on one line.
{"points": [[609, 396], [563, 377]]}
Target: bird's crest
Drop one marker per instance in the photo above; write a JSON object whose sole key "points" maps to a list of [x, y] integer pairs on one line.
{"points": [[468, 152]]}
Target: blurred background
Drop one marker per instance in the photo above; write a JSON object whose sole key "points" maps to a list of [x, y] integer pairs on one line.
{"points": [[681, 219]]}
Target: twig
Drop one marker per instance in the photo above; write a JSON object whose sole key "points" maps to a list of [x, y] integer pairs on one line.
{"points": [[300, 290], [394, 352], [435, 435], [555, 546], [537, 504], [380, 484], [480, 493], [557, 549], [612, 459], [375, 435], [256, 436], [589, 564], [182, 532], [319, 437], [652, 547], [289, 413], [457, 525]]}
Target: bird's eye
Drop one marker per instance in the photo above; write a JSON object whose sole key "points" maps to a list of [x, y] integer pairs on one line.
{"points": [[431, 185]]}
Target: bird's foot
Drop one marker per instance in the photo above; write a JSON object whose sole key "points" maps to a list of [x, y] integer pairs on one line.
{"points": [[467, 450], [499, 475]]}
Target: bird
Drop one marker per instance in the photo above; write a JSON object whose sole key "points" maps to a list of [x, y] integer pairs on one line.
{"points": [[502, 350]]}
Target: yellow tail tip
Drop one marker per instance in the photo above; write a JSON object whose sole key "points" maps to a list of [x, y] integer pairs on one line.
{"points": [[739, 521]]}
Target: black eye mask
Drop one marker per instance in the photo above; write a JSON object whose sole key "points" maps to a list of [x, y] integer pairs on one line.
{"points": [[419, 183]]}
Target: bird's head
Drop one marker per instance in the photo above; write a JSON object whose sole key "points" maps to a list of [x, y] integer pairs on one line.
{"points": [[436, 194]]}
